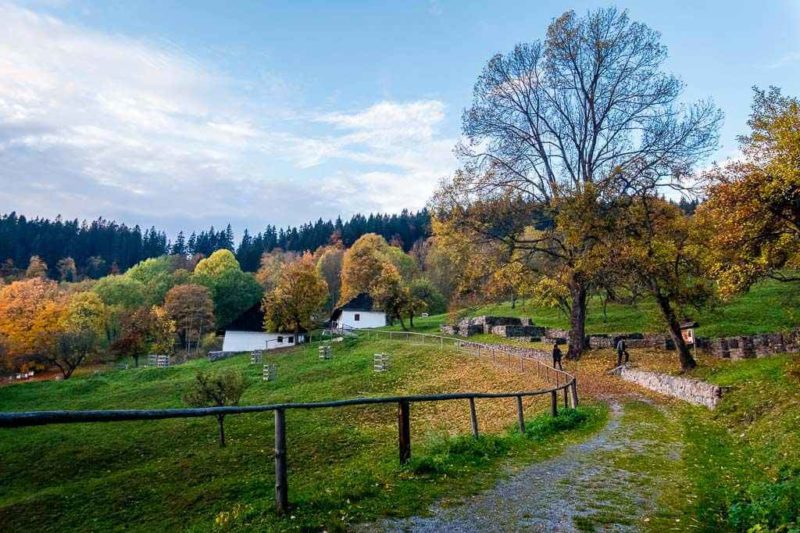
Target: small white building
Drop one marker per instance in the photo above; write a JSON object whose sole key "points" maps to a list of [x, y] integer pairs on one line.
{"points": [[358, 313], [246, 341], [246, 334]]}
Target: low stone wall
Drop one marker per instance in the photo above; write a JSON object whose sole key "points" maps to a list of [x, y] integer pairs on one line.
{"points": [[518, 331], [750, 346], [530, 353], [690, 390], [220, 355]]}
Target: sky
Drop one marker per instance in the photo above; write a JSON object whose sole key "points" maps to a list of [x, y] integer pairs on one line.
{"points": [[188, 114]]}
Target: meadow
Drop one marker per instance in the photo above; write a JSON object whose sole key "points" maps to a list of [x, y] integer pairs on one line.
{"points": [[343, 465]]}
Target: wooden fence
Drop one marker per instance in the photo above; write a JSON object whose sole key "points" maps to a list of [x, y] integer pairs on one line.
{"points": [[564, 382]]}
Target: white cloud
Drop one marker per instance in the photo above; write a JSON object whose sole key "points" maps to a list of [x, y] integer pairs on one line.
{"points": [[94, 124]]}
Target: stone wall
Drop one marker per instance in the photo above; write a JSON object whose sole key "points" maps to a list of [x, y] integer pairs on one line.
{"points": [[750, 346], [220, 355], [690, 390], [518, 331]]}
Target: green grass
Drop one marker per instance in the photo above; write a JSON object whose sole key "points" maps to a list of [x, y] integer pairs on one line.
{"points": [[744, 458], [767, 307], [343, 464]]}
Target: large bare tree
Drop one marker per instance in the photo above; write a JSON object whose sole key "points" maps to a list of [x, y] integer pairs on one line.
{"points": [[561, 128]]}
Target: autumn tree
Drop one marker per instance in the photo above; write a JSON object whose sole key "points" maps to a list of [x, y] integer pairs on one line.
{"points": [[752, 214], [362, 265], [270, 267], [37, 268], [20, 304], [658, 250], [392, 296], [587, 113], [191, 308], [297, 299], [217, 390], [144, 331], [67, 271]]}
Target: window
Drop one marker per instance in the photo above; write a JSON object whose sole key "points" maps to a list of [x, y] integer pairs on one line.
{"points": [[357, 317], [280, 339], [291, 340]]}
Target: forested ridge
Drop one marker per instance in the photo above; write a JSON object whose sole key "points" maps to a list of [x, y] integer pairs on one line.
{"points": [[101, 246]]}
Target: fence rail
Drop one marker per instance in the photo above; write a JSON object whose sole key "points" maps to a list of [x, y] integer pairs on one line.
{"points": [[568, 384]]}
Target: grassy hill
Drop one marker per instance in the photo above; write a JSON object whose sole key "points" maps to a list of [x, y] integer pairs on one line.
{"points": [[744, 457], [343, 464], [768, 306]]}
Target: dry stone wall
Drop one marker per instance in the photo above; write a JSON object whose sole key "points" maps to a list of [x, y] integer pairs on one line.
{"points": [[690, 390]]}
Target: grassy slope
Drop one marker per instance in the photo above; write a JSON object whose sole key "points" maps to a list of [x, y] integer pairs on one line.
{"points": [[343, 466], [767, 307], [744, 457]]}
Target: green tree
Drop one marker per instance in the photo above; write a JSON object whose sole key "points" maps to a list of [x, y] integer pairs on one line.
{"points": [[422, 289], [123, 291], [217, 390]]}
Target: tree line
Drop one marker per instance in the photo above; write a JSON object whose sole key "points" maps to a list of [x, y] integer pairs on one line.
{"points": [[103, 247]]}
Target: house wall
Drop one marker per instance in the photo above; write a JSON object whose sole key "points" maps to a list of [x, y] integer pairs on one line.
{"points": [[367, 319], [245, 341]]}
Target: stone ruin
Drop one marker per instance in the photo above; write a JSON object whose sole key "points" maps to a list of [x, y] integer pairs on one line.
{"points": [[503, 326], [738, 347]]}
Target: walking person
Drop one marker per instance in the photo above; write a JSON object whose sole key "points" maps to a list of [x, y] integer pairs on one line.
{"points": [[622, 349], [557, 356]]}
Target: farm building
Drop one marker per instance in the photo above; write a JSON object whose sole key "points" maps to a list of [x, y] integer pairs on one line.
{"points": [[246, 333], [358, 313]]}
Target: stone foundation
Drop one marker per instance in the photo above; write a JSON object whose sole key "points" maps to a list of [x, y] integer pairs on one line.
{"points": [[690, 390]]}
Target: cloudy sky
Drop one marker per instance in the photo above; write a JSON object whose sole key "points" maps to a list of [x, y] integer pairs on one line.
{"points": [[187, 114]]}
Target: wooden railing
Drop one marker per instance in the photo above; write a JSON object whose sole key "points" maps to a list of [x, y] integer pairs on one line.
{"points": [[535, 359], [568, 383]]}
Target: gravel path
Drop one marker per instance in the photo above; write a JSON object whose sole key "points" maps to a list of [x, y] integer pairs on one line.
{"points": [[585, 488]]}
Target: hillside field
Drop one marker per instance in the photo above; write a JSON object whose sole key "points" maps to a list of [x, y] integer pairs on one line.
{"points": [[343, 465], [768, 306]]}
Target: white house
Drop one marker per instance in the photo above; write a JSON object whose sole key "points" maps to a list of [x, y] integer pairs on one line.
{"points": [[358, 313], [246, 334], [246, 341]]}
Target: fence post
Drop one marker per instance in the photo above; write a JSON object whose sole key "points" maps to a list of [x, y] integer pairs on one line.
{"points": [[473, 416], [404, 431], [574, 393], [553, 403], [281, 477], [520, 415], [566, 402]]}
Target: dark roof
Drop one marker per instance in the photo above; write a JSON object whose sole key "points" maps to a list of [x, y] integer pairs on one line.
{"points": [[250, 320], [362, 302]]}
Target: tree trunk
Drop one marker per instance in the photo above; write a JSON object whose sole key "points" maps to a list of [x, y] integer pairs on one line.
{"points": [[577, 319], [400, 318], [136, 361], [411, 320], [221, 423], [685, 356], [513, 302]]}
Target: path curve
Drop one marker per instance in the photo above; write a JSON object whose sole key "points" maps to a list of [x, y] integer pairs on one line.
{"points": [[583, 488]]}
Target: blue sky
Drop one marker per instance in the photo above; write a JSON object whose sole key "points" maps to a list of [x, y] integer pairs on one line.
{"points": [[186, 114]]}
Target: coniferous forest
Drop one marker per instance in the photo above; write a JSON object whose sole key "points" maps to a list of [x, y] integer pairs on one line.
{"points": [[101, 247]]}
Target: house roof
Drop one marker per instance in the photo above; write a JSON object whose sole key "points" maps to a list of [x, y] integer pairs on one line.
{"points": [[250, 320], [362, 302]]}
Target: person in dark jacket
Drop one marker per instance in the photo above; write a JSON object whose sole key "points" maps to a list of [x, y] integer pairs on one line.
{"points": [[622, 349], [557, 356]]}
